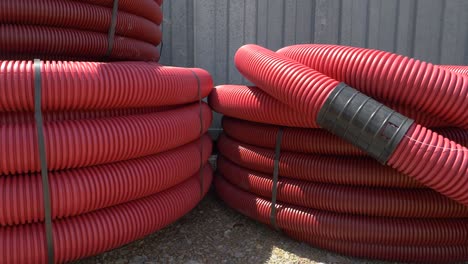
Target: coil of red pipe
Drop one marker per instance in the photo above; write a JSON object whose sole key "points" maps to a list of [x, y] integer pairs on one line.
{"points": [[456, 68], [99, 231], [125, 142], [63, 29], [327, 187]]}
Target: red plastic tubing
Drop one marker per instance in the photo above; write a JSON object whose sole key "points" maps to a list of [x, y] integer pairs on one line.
{"points": [[74, 192], [70, 86], [80, 16], [74, 144], [431, 159], [149, 9], [11, 118], [423, 254], [456, 68], [98, 231], [79, 30], [390, 77], [354, 171], [384, 202], [351, 228], [251, 103], [313, 141]]}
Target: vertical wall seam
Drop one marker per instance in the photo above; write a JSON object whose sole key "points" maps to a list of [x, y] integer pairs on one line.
{"points": [[395, 25], [256, 21], [228, 7], [340, 20], [283, 23], [366, 35], [441, 33], [314, 14], [413, 31]]}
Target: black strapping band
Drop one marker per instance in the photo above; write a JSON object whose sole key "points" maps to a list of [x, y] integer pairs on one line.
{"points": [[202, 179], [43, 159], [274, 190], [111, 32]]}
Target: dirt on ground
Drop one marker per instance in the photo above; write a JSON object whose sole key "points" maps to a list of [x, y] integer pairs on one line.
{"points": [[214, 233]]}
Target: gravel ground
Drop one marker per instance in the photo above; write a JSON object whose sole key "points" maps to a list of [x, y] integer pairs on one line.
{"points": [[214, 233]]}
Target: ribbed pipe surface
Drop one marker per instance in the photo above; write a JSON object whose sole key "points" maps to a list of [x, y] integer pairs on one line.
{"points": [[390, 77], [384, 202], [11, 118], [251, 103], [356, 171], [305, 90], [77, 15], [421, 254], [435, 161], [70, 86], [456, 68], [59, 43], [313, 141], [74, 144], [352, 228], [99, 231], [149, 9], [78, 191]]}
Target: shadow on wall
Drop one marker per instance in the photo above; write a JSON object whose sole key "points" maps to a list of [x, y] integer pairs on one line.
{"points": [[214, 233]]}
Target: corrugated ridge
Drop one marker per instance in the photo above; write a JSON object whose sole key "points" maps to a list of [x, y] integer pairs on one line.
{"points": [[78, 191], [70, 86], [74, 144], [356, 171], [390, 77], [76, 15], [99, 231], [383, 202], [387, 231]]}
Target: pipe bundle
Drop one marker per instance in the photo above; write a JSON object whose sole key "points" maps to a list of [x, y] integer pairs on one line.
{"points": [[125, 141], [412, 206]]}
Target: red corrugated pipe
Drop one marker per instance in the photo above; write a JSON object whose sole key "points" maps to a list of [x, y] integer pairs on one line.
{"points": [[12, 118], [431, 159], [99, 231], [386, 77], [356, 171], [456, 68], [385, 202], [149, 9], [79, 16], [74, 144], [251, 103], [351, 228], [75, 192], [423, 254], [313, 141], [70, 86]]}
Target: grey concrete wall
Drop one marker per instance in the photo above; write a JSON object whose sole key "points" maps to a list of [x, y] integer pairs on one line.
{"points": [[207, 33]]}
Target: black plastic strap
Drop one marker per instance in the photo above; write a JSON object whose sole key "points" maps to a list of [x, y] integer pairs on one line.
{"points": [[274, 191], [202, 178], [111, 32], [43, 159]]}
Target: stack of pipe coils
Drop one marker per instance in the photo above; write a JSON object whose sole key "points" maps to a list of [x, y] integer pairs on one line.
{"points": [[330, 193], [125, 142]]}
